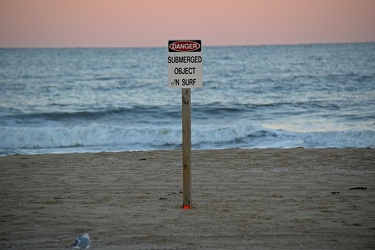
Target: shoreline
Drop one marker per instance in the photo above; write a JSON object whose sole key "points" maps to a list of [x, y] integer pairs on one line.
{"points": [[242, 198]]}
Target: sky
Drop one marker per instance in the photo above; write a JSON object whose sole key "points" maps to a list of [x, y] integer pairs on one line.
{"points": [[151, 23]]}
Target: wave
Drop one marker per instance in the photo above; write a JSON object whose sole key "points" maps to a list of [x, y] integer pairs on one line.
{"points": [[132, 112], [104, 137]]}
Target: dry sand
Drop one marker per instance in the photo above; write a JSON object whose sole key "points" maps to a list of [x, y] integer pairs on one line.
{"points": [[242, 199]]}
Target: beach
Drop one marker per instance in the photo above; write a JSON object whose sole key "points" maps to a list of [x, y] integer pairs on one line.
{"points": [[242, 199]]}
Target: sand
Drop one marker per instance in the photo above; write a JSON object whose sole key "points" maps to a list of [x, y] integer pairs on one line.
{"points": [[242, 199]]}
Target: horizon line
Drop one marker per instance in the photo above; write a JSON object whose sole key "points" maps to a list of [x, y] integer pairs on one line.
{"points": [[151, 47]]}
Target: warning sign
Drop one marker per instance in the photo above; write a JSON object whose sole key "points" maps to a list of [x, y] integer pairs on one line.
{"points": [[185, 64]]}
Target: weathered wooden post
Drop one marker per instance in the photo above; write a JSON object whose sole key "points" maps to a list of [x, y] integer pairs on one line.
{"points": [[186, 147]]}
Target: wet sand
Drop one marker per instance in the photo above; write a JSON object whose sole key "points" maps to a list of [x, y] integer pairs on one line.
{"points": [[242, 199]]}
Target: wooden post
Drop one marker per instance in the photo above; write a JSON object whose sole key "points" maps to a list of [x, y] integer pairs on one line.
{"points": [[186, 148]]}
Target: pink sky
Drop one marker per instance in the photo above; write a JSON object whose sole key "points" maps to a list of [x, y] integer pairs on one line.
{"points": [[140, 23]]}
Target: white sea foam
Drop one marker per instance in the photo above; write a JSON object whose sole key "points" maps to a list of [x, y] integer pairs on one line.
{"points": [[105, 137]]}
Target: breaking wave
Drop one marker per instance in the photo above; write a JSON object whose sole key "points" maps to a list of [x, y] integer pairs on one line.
{"points": [[103, 137]]}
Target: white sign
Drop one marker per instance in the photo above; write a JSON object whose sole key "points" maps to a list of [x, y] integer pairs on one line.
{"points": [[185, 64]]}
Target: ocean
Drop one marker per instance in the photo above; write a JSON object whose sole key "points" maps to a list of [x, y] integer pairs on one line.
{"points": [[117, 99]]}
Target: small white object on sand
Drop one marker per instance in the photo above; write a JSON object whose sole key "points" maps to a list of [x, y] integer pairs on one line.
{"points": [[82, 242]]}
